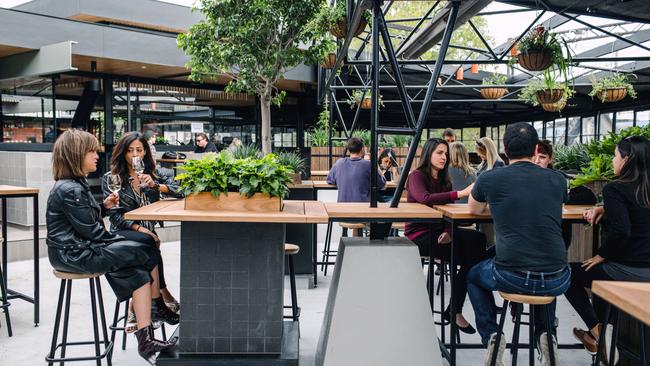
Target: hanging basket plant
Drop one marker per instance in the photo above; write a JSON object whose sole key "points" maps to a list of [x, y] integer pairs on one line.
{"points": [[363, 100], [496, 92], [549, 96], [554, 107], [329, 61], [540, 49], [542, 92], [612, 88], [334, 18]]}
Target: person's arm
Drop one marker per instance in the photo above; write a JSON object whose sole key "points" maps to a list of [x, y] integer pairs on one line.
{"points": [[116, 216], [331, 176], [477, 202], [417, 188], [167, 185], [79, 211], [618, 226]]}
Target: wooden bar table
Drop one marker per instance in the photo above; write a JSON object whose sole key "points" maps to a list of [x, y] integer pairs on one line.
{"points": [[232, 283], [630, 297], [301, 234], [18, 192], [457, 214]]}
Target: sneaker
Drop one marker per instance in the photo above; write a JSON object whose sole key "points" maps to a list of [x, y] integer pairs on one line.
{"points": [[587, 340], [500, 350], [605, 349], [174, 306], [544, 351]]}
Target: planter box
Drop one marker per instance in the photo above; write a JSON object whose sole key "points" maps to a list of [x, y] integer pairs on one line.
{"points": [[296, 178], [233, 201]]}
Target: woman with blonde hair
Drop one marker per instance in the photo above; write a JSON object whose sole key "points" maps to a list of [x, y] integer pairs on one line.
{"points": [[487, 151], [78, 242], [460, 172]]}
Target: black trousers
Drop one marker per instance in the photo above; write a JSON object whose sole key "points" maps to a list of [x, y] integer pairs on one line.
{"points": [[471, 250], [146, 239], [579, 298]]}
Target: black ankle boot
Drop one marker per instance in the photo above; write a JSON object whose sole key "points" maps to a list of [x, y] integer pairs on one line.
{"points": [[148, 346], [160, 311]]}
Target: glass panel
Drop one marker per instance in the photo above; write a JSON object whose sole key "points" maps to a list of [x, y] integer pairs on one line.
{"points": [[606, 123], [642, 118], [539, 125], [548, 128], [469, 136], [588, 129], [624, 120], [560, 128], [574, 130]]}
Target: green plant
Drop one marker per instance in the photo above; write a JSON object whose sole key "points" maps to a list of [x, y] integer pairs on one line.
{"points": [[319, 135], [362, 134], [608, 144], [293, 161], [573, 157], [540, 39], [221, 173], [599, 168], [253, 44], [358, 96], [529, 92], [246, 151], [495, 79], [329, 16], [599, 86], [161, 140], [401, 140]]}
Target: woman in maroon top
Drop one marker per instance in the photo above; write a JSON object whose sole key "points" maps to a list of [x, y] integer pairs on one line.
{"points": [[429, 184]]}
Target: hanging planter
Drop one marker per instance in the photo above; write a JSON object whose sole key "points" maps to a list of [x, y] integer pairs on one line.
{"points": [[514, 50], [364, 101], [541, 49], [612, 95], [554, 107], [549, 96], [329, 61], [340, 28], [612, 88], [493, 93], [535, 60]]}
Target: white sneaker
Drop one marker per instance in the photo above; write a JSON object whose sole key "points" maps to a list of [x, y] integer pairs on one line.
{"points": [[500, 350], [544, 351], [606, 347]]}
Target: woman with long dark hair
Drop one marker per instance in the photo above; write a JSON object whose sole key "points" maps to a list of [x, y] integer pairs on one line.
{"points": [[78, 242], [140, 189], [625, 252], [390, 168], [429, 184]]}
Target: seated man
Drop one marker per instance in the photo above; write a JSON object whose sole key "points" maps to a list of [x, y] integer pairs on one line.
{"points": [[530, 256], [352, 175]]}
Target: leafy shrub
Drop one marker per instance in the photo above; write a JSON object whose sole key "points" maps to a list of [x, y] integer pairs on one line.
{"points": [[600, 86], [293, 161], [573, 157]]}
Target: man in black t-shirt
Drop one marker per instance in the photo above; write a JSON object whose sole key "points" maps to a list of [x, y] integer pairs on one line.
{"points": [[525, 201]]}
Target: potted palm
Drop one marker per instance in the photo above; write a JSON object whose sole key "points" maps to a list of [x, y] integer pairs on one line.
{"points": [[363, 99], [295, 163], [540, 49], [612, 88], [496, 92], [222, 182]]}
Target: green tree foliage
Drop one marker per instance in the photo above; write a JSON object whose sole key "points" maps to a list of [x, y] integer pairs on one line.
{"points": [[253, 42]]}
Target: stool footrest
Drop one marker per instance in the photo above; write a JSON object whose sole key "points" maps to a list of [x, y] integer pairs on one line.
{"points": [[107, 351]]}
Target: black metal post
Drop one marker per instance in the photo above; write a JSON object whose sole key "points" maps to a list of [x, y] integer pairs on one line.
{"points": [[55, 123], [374, 111], [129, 121], [427, 101]]}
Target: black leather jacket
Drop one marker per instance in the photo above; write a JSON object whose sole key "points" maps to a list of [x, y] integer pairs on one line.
{"points": [[74, 218], [129, 202]]}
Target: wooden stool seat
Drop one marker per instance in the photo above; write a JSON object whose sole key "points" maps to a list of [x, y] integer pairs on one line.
{"points": [[291, 249], [74, 276], [527, 299], [399, 225], [352, 225]]}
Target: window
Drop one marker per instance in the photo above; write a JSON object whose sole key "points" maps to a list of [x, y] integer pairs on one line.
{"points": [[588, 129], [605, 121], [642, 118], [574, 131], [548, 131], [624, 120], [560, 129]]}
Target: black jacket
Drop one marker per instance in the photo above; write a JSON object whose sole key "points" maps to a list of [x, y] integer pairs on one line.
{"points": [[210, 147], [129, 202], [74, 218]]}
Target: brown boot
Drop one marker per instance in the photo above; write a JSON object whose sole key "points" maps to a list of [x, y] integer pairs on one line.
{"points": [[587, 339]]}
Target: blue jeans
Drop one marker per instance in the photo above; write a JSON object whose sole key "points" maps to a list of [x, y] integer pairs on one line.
{"points": [[484, 278]]}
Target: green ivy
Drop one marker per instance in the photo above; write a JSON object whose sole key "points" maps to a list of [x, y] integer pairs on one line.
{"points": [[221, 173], [495, 79], [611, 82]]}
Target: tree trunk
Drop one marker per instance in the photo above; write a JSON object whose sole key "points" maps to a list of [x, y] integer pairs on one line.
{"points": [[265, 105]]}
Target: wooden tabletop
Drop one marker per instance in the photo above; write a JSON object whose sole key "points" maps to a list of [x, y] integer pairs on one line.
{"points": [[460, 211], [321, 184], [305, 184], [320, 173], [294, 212], [177, 161], [363, 210], [630, 297], [15, 191]]}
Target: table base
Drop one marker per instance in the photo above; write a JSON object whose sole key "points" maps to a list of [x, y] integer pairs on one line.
{"points": [[288, 357]]}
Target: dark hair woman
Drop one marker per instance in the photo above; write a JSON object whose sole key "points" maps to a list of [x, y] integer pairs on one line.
{"points": [[78, 242], [625, 252], [139, 189], [429, 184], [391, 170]]}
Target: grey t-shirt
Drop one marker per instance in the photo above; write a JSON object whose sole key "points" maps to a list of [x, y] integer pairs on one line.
{"points": [[526, 204], [460, 180], [352, 178]]}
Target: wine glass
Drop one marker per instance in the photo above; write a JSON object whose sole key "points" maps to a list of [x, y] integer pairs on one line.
{"points": [[138, 166], [114, 185]]}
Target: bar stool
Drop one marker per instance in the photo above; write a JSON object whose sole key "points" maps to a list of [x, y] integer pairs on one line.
{"points": [[531, 301], [115, 327], [5, 304], [327, 252], [289, 251], [96, 300], [396, 227]]}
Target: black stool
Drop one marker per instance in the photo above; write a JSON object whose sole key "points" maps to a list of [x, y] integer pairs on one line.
{"points": [[327, 252], [530, 300], [96, 301], [115, 327], [5, 304], [290, 250]]}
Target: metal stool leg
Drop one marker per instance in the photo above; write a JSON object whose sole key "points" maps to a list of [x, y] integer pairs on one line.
{"points": [[642, 356], [126, 317], [497, 341], [57, 322], [93, 304], [66, 318], [531, 334], [329, 249], [294, 296], [116, 314], [326, 249], [102, 316], [612, 347], [549, 333], [5, 303], [164, 332], [515, 336], [601, 336]]}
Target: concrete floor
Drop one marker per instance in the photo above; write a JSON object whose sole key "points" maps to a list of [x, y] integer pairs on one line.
{"points": [[30, 344]]}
